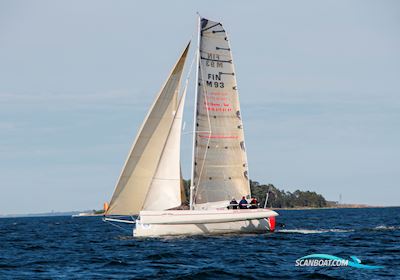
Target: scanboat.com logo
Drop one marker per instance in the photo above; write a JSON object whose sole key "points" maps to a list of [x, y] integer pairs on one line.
{"points": [[329, 260]]}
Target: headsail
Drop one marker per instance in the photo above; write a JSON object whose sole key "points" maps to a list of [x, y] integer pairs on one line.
{"points": [[165, 189], [220, 161], [141, 164]]}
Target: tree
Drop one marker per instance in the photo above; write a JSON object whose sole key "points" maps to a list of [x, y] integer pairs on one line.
{"points": [[278, 198]]}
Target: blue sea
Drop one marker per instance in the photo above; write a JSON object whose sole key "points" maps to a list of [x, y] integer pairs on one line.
{"points": [[88, 248]]}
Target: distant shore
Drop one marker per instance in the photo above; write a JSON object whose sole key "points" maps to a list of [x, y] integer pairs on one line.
{"points": [[342, 206], [48, 214], [89, 214]]}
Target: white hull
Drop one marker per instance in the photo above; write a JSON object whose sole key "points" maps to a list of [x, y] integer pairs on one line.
{"points": [[199, 222]]}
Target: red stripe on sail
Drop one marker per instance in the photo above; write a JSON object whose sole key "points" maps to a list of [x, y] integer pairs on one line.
{"points": [[219, 136]]}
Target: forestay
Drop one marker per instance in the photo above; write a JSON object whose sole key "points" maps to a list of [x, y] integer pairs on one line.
{"points": [[220, 161], [143, 159]]}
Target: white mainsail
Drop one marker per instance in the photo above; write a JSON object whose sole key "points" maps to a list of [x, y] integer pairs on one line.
{"points": [[165, 189], [220, 160], [140, 167]]}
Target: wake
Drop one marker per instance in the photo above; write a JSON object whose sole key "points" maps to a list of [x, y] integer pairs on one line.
{"points": [[314, 231], [336, 230]]}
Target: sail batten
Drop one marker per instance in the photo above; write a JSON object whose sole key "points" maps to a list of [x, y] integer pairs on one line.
{"points": [[140, 167]]}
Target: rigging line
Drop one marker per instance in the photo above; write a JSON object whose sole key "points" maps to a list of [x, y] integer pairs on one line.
{"points": [[117, 226], [190, 71], [192, 186], [119, 219], [210, 132]]}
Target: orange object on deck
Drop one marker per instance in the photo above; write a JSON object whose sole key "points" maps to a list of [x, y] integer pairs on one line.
{"points": [[105, 206]]}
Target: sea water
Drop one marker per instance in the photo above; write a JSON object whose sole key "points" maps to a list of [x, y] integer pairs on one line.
{"points": [[88, 248]]}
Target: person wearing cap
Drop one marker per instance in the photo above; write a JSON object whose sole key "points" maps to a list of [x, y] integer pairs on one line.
{"points": [[243, 203], [253, 203]]}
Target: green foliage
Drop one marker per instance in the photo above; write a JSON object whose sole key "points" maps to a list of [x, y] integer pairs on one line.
{"points": [[279, 198], [186, 186]]}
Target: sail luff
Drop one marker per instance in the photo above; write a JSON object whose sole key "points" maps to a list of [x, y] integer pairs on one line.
{"points": [[139, 168], [192, 186]]}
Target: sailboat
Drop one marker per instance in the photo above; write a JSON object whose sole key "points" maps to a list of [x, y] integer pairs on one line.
{"points": [[150, 186]]}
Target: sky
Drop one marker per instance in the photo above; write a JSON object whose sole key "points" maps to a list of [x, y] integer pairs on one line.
{"points": [[319, 85]]}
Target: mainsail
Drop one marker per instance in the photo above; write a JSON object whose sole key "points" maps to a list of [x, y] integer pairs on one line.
{"points": [[141, 165], [220, 161]]}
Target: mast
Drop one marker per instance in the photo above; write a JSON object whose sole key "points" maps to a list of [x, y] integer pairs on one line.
{"points": [[195, 111]]}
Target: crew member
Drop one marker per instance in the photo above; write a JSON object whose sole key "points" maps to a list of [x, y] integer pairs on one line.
{"points": [[253, 203], [243, 203], [233, 204]]}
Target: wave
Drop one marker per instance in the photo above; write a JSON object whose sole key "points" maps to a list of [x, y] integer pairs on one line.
{"points": [[335, 230], [384, 227], [115, 263], [161, 256], [208, 273], [125, 237], [313, 231]]}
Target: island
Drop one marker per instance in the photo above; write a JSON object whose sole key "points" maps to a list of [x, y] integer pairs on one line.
{"points": [[281, 199]]}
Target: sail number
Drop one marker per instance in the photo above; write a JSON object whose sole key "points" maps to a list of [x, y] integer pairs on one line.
{"points": [[215, 84], [213, 61], [215, 64], [214, 80]]}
